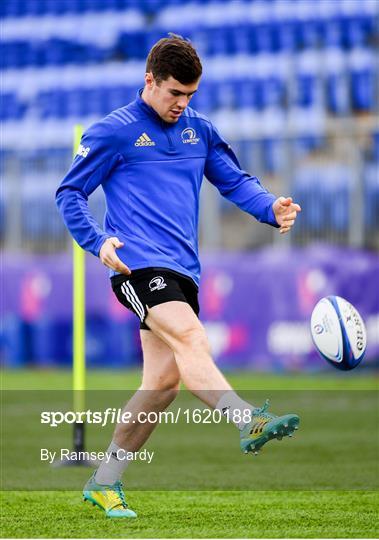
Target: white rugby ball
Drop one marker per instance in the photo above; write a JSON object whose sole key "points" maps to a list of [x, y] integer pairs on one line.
{"points": [[338, 332]]}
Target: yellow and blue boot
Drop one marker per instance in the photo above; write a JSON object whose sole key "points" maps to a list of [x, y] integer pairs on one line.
{"points": [[264, 427], [111, 499]]}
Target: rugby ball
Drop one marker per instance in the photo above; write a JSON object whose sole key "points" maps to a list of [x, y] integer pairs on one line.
{"points": [[338, 332]]}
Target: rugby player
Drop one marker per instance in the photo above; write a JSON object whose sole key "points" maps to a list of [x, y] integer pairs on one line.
{"points": [[150, 158]]}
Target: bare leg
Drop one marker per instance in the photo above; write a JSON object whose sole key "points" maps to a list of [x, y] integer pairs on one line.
{"points": [[160, 384], [176, 324]]}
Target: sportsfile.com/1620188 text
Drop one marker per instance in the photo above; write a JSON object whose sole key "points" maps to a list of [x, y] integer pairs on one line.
{"points": [[117, 416]]}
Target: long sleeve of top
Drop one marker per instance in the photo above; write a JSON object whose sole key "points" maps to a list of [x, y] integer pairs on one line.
{"points": [[151, 174], [92, 165]]}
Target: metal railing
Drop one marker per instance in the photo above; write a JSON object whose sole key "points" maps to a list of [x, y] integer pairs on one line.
{"points": [[333, 175]]}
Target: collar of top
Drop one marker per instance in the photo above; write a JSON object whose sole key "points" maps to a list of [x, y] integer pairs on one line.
{"points": [[145, 107]]}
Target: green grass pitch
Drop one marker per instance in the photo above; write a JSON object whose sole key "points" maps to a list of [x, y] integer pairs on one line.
{"points": [[195, 514]]}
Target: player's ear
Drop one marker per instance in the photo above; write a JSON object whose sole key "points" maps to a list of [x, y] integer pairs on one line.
{"points": [[149, 80]]}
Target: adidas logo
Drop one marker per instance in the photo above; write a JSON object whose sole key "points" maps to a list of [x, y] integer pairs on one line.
{"points": [[114, 455], [144, 140]]}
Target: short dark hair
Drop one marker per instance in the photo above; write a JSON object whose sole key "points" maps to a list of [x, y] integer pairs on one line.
{"points": [[176, 57]]}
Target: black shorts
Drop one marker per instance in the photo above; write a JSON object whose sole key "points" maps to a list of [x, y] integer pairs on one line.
{"points": [[151, 287]]}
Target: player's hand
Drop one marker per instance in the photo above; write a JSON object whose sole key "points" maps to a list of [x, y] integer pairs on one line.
{"points": [[285, 213], [109, 257]]}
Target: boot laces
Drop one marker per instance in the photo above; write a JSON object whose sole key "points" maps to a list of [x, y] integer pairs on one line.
{"points": [[262, 411], [117, 498]]}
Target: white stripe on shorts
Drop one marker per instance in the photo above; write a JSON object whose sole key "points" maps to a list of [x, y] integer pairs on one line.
{"points": [[137, 300], [132, 301]]}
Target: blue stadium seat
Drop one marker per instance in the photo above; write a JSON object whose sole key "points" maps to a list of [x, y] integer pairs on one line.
{"points": [[224, 95], [6, 58], [355, 33], [42, 104], [36, 7], [240, 40], [350, 86], [75, 101], [247, 92], [151, 7], [10, 107], [273, 91], [204, 99], [306, 89], [218, 43], [61, 104], [14, 8], [200, 39], [286, 37], [337, 91], [309, 34], [132, 44], [56, 52], [332, 34], [118, 96], [17, 52], [371, 196], [363, 73], [263, 38]]}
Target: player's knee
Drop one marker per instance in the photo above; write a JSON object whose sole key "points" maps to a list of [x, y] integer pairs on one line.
{"points": [[167, 386], [193, 338], [168, 394], [164, 395]]}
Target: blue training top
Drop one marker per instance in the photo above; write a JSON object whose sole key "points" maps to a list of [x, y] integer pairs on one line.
{"points": [[151, 173]]}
